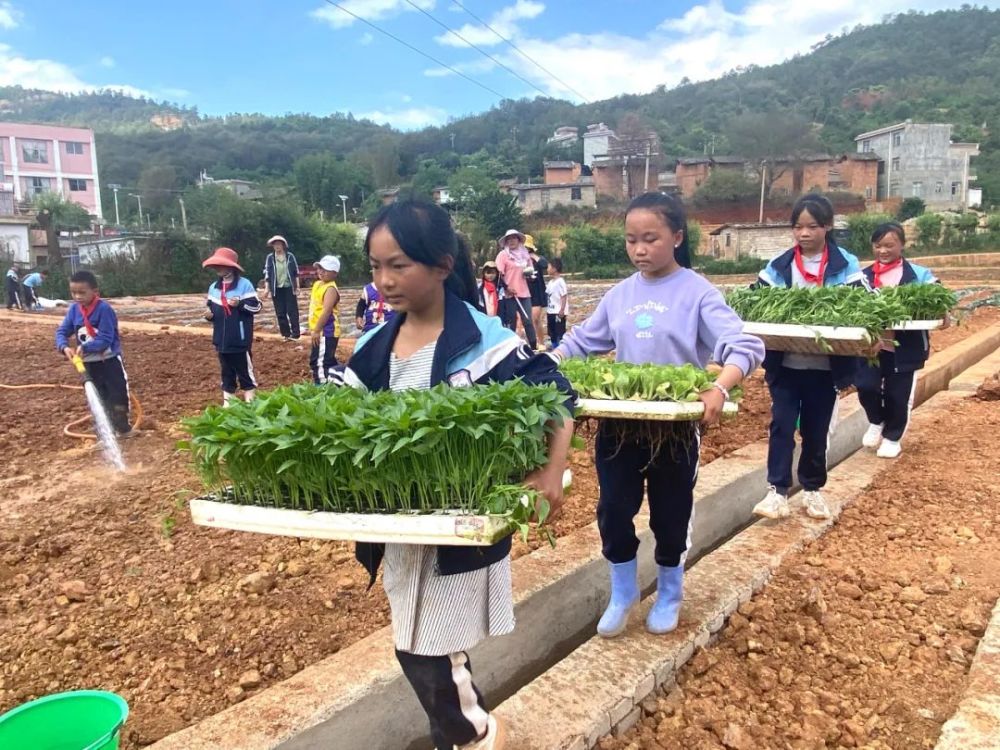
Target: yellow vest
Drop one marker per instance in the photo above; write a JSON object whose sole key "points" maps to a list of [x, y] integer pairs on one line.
{"points": [[332, 327]]}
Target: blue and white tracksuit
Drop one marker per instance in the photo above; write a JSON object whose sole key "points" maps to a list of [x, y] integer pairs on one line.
{"points": [[232, 333]]}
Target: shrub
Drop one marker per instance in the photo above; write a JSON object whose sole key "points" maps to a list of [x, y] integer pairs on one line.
{"points": [[929, 229], [910, 208]]}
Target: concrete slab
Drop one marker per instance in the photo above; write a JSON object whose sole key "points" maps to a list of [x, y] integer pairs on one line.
{"points": [[976, 724]]}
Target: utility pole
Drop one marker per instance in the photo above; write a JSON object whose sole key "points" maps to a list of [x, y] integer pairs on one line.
{"points": [[452, 141], [763, 175], [115, 188], [184, 216], [149, 223], [343, 203], [138, 198], [514, 131], [645, 183]]}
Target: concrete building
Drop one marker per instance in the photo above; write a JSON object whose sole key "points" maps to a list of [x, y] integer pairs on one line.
{"points": [[533, 198], [15, 241], [36, 159], [559, 172], [597, 142], [919, 160], [566, 136], [734, 241], [441, 195], [691, 172]]}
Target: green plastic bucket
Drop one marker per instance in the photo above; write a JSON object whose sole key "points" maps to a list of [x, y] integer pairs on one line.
{"points": [[79, 720]]}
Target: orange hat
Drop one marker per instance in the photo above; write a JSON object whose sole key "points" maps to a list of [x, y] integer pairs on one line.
{"points": [[223, 256]]}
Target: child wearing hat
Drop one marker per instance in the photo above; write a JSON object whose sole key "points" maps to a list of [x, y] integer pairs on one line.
{"points": [[232, 303], [324, 318], [513, 263], [489, 289]]}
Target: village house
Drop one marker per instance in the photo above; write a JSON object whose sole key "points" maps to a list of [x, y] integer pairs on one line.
{"points": [[557, 172], [920, 161], [566, 136], [534, 198], [734, 241]]}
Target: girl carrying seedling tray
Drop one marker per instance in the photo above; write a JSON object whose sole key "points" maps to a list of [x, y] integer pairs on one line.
{"points": [[886, 386], [445, 600], [663, 314]]}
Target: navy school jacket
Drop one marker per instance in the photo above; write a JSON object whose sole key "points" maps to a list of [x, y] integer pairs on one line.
{"points": [[472, 348], [104, 345], [233, 333], [913, 347], [842, 268]]}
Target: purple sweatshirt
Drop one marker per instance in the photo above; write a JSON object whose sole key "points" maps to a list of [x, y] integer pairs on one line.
{"points": [[675, 320]]}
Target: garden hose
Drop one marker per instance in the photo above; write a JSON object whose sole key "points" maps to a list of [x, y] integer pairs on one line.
{"points": [[136, 408]]}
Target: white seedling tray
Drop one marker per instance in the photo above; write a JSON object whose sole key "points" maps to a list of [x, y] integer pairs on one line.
{"points": [[918, 325], [447, 528], [659, 411], [786, 337], [451, 528]]}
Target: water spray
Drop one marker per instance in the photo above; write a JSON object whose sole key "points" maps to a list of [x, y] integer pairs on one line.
{"points": [[102, 424]]}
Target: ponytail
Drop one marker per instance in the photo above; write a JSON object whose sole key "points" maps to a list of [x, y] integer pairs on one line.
{"points": [[671, 210]]}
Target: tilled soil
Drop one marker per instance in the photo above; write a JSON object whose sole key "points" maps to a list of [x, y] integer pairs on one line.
{"points": [[106, 583], [865, 638]]}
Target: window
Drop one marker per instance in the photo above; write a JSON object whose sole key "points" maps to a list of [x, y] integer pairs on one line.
{"points": [[917, 189], [575, 194], [868, 193], [35, 152], [895, 164], [38, 185], [866, 145], [77, 186], [954, 188], [74, 147], [938, 187], [729, 239], [894, 187], [897, 138]]}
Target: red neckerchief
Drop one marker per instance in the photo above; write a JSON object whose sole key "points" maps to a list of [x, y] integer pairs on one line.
{"points": [[812, 278], [87, 312], [380, 309], [490, 293], [225, 305], [878, 269]]}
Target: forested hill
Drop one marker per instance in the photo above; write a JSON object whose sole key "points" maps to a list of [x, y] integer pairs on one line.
{"points": [[938, 67]]}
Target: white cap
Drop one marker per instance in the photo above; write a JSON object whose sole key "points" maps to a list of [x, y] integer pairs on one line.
{"points": [[329, 263], [512, 233], [278, 238]]}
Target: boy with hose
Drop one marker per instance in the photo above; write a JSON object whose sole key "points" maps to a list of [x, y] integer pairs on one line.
{"points": [[93, 323]]}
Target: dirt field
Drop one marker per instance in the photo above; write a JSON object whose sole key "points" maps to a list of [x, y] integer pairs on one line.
{"points": [[865, 638], [105, 582]]}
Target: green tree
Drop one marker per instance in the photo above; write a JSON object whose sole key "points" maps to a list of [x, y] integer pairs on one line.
{"points": [[726, 185], [54, 214], [929, 229], [772, 141], [429, 175], [157, 185], [322, 178], [910, 208]]}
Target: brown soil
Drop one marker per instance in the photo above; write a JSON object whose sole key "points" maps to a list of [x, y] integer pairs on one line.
{"points": [[840, 650], [164, 615]]}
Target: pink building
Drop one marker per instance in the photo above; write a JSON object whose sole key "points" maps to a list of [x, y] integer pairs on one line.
{"points": [[36, 159]]}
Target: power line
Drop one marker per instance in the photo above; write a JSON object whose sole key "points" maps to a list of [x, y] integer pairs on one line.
{"points": [[477, 48], [415, 49], [522, 52]]}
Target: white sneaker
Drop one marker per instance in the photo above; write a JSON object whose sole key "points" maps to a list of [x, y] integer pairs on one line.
{"points": [[889, 449], [815, 504], [872, 436], [775, 505]]}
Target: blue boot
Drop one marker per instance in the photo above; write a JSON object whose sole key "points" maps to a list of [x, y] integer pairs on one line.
{"points": [[624, 596], [665, 612]]}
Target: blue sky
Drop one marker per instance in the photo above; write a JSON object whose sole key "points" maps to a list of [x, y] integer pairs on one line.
{"points": [[278, 56]]}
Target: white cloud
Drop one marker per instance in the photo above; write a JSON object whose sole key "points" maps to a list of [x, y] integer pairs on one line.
{"points": [[107, 62], [370, 10], [50, 75], [503, 21], [406, 98], [412, 118], [10, 17], [365, 39], [703, 43]]}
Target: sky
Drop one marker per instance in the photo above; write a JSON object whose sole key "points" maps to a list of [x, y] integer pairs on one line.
{"points": [[281, 56]]}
